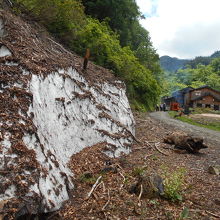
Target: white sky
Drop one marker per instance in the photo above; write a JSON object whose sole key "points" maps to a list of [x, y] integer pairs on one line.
{"points": [[182, 28]]}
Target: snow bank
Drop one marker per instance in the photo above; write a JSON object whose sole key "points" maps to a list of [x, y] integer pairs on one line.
{"points": [[47, 116]]}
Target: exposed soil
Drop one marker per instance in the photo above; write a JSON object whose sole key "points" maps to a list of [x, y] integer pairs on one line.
{"points": [[210, 115], [111, 199]]}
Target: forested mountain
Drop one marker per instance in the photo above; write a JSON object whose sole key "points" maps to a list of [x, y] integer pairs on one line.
{"points": [[202, 60], [112, 31], [194, 77], [172, 64]]}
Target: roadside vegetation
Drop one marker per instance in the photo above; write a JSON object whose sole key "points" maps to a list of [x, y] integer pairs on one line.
{"points": [[196, 118], [112, 31]]}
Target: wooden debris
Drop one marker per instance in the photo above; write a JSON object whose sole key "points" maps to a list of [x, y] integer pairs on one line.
{"points": [[103, 208], [93, 187], [186, 142], [214, 169], [158, 149], [213, 214], [86, 59]]}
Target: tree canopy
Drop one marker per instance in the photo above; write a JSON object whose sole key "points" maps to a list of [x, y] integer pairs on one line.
{"points": [[117, 41], [195, 77]]}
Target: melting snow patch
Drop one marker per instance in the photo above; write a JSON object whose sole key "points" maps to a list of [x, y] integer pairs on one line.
{"points": [[4, 51]]}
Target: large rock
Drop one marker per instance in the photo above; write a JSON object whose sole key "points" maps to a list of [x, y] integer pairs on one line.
{"points": [[50, 110]]}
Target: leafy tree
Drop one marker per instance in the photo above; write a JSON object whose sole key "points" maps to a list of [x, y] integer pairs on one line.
{"points": [[215, 64], [121, 15], [62, 18], [67, 21], [106, 51]]}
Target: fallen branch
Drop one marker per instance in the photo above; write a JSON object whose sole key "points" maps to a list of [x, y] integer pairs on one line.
{"points": [[122, 176], [212, 214], [140, 148], [59, 46], [123, 180], [103, 208], [157, 148], [93, 187]]}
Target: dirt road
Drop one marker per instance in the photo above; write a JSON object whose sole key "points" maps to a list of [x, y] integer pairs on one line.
{"points": [[207, 134]]}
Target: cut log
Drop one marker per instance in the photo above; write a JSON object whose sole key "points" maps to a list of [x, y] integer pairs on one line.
{"points": [[185, 142]]}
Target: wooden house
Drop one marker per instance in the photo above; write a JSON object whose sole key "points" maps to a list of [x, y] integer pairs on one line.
{"points": [[203, 97]]}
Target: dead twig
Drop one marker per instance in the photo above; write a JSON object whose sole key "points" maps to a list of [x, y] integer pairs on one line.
{"points": [[139, 197], [123, 180], [119, 166], [213, 214], [122, 176], [140, 148], [60, 46], [148, 155], [157, 148], [93, 187], [103, 208], [103, 185]]}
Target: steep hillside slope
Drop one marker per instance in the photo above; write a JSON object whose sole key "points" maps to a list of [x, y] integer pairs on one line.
{"points": [[49, 110]]}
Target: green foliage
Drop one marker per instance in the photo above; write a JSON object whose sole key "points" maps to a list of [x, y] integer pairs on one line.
{"points": [[62, 18], [138, 171], [135, 63], [173, 184], [204, 110], [195, 73], [201, 75], [123, 18], [121, 15], [198, 122], [202, 60], [87, 179], [142, 88], [172, 64], [184, 214]]}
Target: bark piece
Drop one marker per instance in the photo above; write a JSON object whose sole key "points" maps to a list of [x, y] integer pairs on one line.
{"points": [[186, 142], [214, 169], [148, 186]]}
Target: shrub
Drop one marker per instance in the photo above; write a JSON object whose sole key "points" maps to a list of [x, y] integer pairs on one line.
{"points": [[173, 184], [67, 21]]}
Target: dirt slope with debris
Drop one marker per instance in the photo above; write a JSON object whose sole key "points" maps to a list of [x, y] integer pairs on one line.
{"points": [[49, 110], [103, 184]]}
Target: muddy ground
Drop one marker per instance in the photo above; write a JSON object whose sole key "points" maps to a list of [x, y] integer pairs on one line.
{"points": [[113, 178]]}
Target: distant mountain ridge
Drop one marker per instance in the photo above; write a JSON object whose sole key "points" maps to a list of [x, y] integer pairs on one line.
{"points": [[172, 64]]}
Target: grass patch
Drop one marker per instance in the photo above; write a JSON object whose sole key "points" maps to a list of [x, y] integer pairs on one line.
{"points": [[210, 125], [204, 110]]}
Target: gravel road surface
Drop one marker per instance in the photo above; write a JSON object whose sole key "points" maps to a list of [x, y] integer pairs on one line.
{"points": [[207, 134]]}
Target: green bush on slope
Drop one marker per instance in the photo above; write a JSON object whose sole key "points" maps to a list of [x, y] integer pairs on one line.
{"points": [[67, 21]]}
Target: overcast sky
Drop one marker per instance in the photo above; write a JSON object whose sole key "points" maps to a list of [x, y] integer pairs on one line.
{"points": [[182, 28]]}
